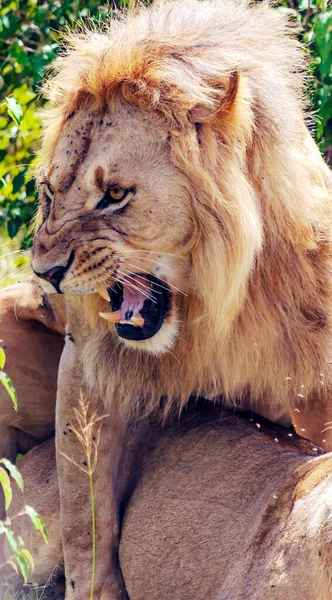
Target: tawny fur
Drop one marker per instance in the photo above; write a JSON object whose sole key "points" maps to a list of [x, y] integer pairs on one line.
{"points": [[224, 82], [31, 327], [189, 530]]}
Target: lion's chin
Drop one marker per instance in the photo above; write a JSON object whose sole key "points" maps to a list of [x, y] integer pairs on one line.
{"points": [[162, 341]]}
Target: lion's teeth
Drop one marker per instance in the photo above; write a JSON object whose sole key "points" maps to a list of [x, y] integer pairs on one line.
{"points": [[113, 317], [130, 310], [137, 321], [138, 307], [127, 315], [104, 294], [124, 310]]}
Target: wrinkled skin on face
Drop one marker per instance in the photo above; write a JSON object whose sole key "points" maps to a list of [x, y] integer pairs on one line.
{"points": [[115, 209]]}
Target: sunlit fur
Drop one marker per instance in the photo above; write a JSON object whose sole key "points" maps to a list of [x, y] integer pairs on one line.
{"points": [[226, 81]]}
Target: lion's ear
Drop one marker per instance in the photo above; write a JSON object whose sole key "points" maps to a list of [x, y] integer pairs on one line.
{"points": [[222, 100]]}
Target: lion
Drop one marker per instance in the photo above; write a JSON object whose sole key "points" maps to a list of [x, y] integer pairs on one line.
{"points": [[185, 214], [189, 530], [32, 327]]}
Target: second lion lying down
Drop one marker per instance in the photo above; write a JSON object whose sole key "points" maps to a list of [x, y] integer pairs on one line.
{"points": [[179, 180], [189, 531]]}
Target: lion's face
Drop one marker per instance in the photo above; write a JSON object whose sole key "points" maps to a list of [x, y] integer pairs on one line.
{"points": [[117, 217]]}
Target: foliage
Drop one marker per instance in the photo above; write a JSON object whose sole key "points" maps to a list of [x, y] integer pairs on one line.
{"points": [[315, 18], [29, 39], [6, 382], [20, 559]]}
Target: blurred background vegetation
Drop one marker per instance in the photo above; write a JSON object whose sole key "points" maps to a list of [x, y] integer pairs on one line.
{"points": [[30, 35]]}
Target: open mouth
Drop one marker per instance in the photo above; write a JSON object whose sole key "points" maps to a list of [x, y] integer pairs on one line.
{"points": [[139, 306]]}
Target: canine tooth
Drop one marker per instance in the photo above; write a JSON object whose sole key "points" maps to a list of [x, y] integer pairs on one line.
{"points": [[104, 294], [138, 321], [138, 307], [125, 307], [114, 317]]}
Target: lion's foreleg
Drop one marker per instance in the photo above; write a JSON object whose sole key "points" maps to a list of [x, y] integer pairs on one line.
{"points": [[89, 451]]}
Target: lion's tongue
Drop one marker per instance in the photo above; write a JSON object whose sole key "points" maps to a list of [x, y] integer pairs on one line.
{"points": [[135, 292]]}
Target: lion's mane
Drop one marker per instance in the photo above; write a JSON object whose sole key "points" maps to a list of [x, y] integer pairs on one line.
{"points": [[226, 79]]}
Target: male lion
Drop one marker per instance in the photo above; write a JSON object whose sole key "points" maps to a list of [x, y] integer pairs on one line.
{"points": [[180, 181], [189, 531]]}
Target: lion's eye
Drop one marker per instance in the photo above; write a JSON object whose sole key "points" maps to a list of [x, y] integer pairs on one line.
{"points": [[48, 190], [113, 195], [117, 193]]}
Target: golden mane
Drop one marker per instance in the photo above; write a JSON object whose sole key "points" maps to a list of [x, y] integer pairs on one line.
{"points": [[259, 321]]}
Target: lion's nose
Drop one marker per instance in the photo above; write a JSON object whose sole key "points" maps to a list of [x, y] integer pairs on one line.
{"points": [[56, 274]]}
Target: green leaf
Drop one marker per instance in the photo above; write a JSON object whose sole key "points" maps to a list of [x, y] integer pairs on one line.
{"points": [[14, 110], [7, 383], [41, 14], [37, 521], [12, 541], [29, 558], [18, 181], [13, 470], [9, 24], [7, 490], [13, 226], [18, 53], [23, 566], [3, 181], [323, 25], [2, 358]]}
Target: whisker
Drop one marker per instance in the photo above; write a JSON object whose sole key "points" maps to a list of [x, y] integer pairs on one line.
{"points": [[174, 356], [11, 253], [156, 262], [15, 166], [326, 429], [161, 279], [17, 300], [14, 271], [150, 252], [154, 283], [183, 339], [112, 278], [134, 287], [19, 269], [124, 273], [125, 279], [130, 274], [130, 285], [25, 269]]}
